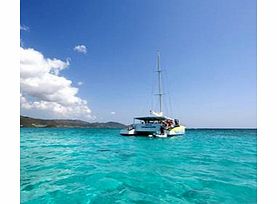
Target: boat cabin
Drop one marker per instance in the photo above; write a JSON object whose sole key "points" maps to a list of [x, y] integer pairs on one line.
{"points": [[153, 124]]}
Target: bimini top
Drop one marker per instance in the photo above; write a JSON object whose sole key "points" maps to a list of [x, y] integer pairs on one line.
{"points": [[152, 118]]}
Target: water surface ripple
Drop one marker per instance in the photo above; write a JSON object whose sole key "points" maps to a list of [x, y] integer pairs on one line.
{"points": [[100, 166]]}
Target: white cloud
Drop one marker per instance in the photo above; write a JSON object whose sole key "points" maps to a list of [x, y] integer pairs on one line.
{"points": [[80, 49], [113, 113], [80, 83], [24, 28], [44, 91]]}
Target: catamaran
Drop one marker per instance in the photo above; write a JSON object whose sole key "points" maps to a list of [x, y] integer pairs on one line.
{"points": [[157, 124]]}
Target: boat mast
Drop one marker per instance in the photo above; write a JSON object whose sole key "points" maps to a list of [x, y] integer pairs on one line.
{"points": [[159, 80]]}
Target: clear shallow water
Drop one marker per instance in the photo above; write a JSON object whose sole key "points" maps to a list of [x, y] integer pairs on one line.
{"points": [[100, 166]]}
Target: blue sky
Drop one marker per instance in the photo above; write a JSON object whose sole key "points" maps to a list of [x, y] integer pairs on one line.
{"points": [[208, 53]]}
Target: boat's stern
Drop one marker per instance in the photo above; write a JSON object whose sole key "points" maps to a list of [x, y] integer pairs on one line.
{"points": [[141, 129], [147, 128]]}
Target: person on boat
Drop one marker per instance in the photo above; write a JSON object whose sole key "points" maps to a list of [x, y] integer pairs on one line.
{"points": [[176, 121], [170, 123], [162, 128], [164, 124]]}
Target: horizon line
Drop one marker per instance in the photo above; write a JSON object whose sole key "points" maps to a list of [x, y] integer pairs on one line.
{"points": [[127, 124]]}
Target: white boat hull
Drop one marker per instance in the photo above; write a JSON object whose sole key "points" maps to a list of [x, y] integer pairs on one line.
{"points": [[126, 132], [179, 130]]}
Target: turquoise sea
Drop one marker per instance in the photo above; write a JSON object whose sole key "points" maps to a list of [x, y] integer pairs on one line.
{"points": [[100, 166]]}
